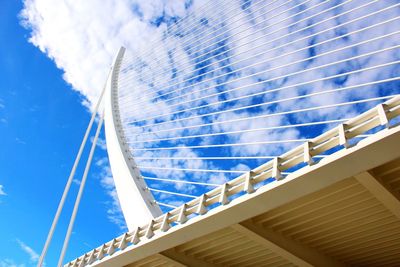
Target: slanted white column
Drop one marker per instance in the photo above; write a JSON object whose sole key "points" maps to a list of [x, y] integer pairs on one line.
{"points": [[136, 201]]}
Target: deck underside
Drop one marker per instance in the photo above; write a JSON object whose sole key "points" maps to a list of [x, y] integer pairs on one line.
{"points": [[345, 211], [353, 222]]}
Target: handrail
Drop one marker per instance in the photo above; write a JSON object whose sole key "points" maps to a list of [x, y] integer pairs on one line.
{"points": [[340, 136]]}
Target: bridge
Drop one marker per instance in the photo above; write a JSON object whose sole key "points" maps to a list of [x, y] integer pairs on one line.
{"points": [[263, 133]]}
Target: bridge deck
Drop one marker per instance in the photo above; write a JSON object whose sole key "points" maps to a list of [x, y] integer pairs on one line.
{"points": [[332, 219], [344, 210], [355, 221]]}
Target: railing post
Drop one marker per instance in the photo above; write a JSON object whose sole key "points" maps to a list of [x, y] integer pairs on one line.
{"points": [[248, 185], [276, 172], [201, 208], [223, 198], [307, 155], [382, 115], [342, 136]]}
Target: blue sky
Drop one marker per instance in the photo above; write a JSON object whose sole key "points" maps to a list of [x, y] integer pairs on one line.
{"points": [[260, 48], [42, 122], [53, 67]]}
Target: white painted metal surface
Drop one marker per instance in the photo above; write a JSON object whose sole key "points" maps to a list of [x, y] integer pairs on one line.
{"points": [[137, 203], [80, 192], [71, 176]]}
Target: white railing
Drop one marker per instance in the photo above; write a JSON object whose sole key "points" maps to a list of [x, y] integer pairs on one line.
{"points": [[377, 119]]}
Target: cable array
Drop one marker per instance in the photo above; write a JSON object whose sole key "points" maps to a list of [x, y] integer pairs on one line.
{"points": [[225, 90]]}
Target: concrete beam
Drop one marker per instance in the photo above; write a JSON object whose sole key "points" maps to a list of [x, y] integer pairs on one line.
{"points": [[286, 248], [185, 260], [171, 260], [374, 185]]}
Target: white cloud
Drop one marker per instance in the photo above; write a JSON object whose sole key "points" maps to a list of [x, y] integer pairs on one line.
{"points": [[20, 141], [33, 255], [2, 192], [230, 48], [82, 38]]}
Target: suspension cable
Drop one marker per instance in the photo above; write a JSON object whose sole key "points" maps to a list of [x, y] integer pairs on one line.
{"points": [[212, 158], [171, 193], [246, 43], [225, 145], [280, 113], [221, 53], [257, 94], [213, 37], [290, 86], [190, 170], [278, 127], [306, 37], [194, 39], [357, 86], [265, 71], [210, 5], [166, 205], [284, 99], [178, 181], [80, 192], [71, 176]]}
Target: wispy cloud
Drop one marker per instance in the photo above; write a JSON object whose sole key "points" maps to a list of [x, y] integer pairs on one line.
{"points": [[252, 52], [33, 255], [2, 192], [2, 107], [20, 141], [10, 263], [252, 48], [94, 43]]}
